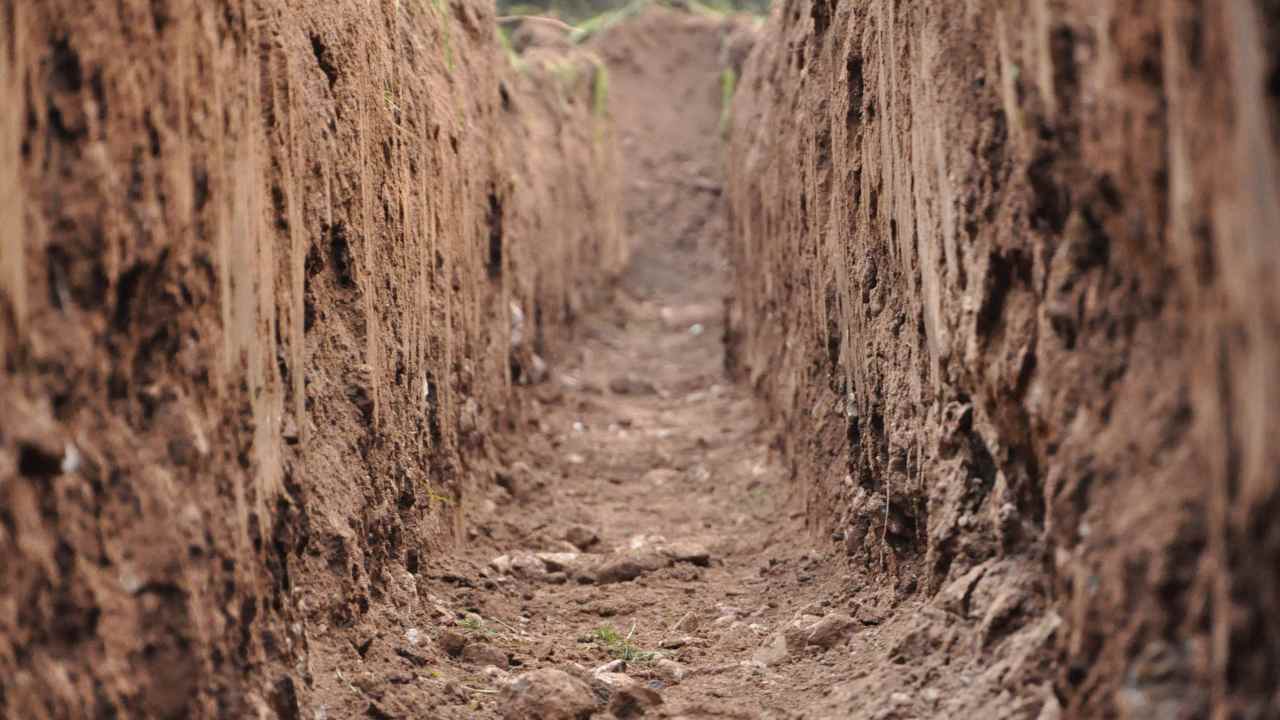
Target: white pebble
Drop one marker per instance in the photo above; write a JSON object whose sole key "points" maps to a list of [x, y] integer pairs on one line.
{"points": [[70, 459]]}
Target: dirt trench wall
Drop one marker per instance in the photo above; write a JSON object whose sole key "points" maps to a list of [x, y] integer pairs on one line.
{"points": [[257, 269], [1008, 272]]}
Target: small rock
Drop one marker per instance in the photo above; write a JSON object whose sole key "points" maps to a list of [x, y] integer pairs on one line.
{"points": [[675, 643], [484, 654], [546, 694], [869, 616], [632, 385], [772, 652], [671, 671], [797, 631], [677, 317], [469, 418], [634, 701], [558, 561], [629, 567], [452, 643], [660, 476], [611, 678], [628, 697], [613, 666], [644, 542], [537, 370], [561, 546], [689, 552], [698, 474], [412, 657], [518, 480], [604, 609], [830, 630], [517, 325], [580, 672], [522, 564], [955, 596], [402, 587], [581, 537], [688, 623]]}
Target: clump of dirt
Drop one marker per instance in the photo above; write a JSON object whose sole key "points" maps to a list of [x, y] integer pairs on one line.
{"points": [[262, 266], [1004, 273]]}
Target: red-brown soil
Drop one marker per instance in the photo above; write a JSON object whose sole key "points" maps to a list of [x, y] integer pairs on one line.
{"points": [[356, 369]]}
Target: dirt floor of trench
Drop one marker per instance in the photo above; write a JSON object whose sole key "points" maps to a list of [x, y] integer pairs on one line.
{"points": [[648, 486]]}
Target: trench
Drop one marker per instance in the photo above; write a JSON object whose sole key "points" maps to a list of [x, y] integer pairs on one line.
{"points": [[872, 360]]}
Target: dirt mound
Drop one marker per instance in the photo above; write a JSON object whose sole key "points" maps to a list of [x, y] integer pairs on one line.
{"points": [[1007, 276], [261, 273]]}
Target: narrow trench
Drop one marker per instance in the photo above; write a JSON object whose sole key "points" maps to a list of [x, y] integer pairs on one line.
{"points": [[407, 374], [645, 540]]}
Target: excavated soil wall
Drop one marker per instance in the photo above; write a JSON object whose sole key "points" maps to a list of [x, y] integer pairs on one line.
{"points": [[268, 271], [1007, 271]]}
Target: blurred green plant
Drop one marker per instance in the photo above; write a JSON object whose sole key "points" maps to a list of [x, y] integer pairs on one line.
{"points": [[600, 90], [728, 86]]}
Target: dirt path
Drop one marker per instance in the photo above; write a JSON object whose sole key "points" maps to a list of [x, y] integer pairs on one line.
{"points": [[644, 443]]}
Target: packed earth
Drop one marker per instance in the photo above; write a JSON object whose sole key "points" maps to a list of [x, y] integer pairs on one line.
{"points": [[880, 359]]}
